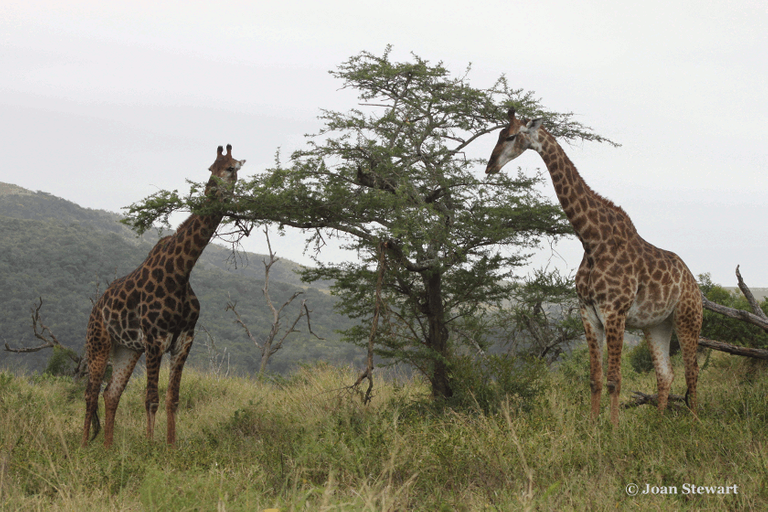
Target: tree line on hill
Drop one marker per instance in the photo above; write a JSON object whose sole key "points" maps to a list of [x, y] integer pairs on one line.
{"points": [[53, 249]]}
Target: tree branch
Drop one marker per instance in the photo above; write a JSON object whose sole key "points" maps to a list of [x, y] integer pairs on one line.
{"points": [[268, 347], [757, 353], [39, 329], [49, 341], [756, 309], [738, 314], [368, 372]]}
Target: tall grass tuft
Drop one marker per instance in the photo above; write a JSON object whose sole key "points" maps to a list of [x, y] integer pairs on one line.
{"points": [[307, 442]]}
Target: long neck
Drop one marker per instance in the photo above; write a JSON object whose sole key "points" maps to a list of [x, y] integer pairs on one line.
{"points": [[190, 240], [587, 210]]}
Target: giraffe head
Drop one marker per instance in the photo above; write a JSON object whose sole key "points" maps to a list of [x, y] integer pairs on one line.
{"points": [[224, 168], [518, 136]]}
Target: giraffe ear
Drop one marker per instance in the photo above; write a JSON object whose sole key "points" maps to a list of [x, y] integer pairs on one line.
{"points": [[534, 125]]}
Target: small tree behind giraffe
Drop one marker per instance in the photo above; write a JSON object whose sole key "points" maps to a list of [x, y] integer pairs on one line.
{"points": [[154, 310], [270, 345]]}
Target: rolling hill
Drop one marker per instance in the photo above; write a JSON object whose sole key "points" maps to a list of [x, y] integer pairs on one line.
{"points": [[53, 249]]}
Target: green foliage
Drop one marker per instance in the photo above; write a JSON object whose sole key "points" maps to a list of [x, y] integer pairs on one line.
{"points": [[575, 366], [640, 358], [60, 362], [543, 317], [730, 330]]}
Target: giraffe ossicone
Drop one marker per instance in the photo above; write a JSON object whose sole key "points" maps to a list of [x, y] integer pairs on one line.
{"points": [[152, 310], [622, 281]]}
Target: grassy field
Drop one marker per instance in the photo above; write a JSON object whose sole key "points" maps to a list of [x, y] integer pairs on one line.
{"points": [[307, 443]]}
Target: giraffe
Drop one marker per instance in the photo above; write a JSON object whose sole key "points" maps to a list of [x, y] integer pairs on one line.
{"points": [[623, 281], [154, 310]]}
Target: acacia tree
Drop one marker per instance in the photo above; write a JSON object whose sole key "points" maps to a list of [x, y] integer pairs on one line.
{"points": [[394, 174]]}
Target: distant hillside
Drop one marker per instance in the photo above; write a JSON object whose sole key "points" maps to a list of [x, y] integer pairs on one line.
{"points": [[66, 254]]}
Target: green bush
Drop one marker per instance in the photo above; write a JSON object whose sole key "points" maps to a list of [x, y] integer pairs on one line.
{"points": [[487, 383], [640, 358], [61, 363], [575, 366]]}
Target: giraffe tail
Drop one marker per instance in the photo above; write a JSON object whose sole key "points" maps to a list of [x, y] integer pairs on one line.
{"points": [[96, 425]]}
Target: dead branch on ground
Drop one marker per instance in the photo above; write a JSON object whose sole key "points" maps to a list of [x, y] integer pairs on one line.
{"points": [[639, 398], [757, 353]]}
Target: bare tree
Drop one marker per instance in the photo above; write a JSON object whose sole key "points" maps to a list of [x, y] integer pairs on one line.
{"points": [[216, 357], [49, 340], [271, 343]]}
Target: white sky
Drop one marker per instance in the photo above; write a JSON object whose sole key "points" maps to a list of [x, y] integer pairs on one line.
{"points": [[104, 103]]}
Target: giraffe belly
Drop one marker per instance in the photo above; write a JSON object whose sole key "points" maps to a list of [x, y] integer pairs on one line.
{"points": [[643, 314], [132, 339]]}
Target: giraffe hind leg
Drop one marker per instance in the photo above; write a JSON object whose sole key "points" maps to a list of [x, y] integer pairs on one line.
{"points": [[98, 345], [178, 358], [658, 338], [687, 330]]}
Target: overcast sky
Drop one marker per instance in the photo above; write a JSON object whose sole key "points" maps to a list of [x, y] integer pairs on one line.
{"points": [[104, 103]]}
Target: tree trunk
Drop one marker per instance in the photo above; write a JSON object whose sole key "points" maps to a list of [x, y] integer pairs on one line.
{"points": [[438, 334]]}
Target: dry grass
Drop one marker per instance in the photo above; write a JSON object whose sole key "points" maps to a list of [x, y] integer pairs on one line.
{"points": [[307, 443]]}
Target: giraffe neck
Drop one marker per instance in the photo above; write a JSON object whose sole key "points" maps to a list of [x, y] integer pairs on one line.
{"points": [[193, 235], [587, 211], [189, 241]]}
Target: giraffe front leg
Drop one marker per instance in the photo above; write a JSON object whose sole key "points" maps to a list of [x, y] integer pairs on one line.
{"points": [[614, 335], [154, 356], [172, 396], [594, 333]]}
